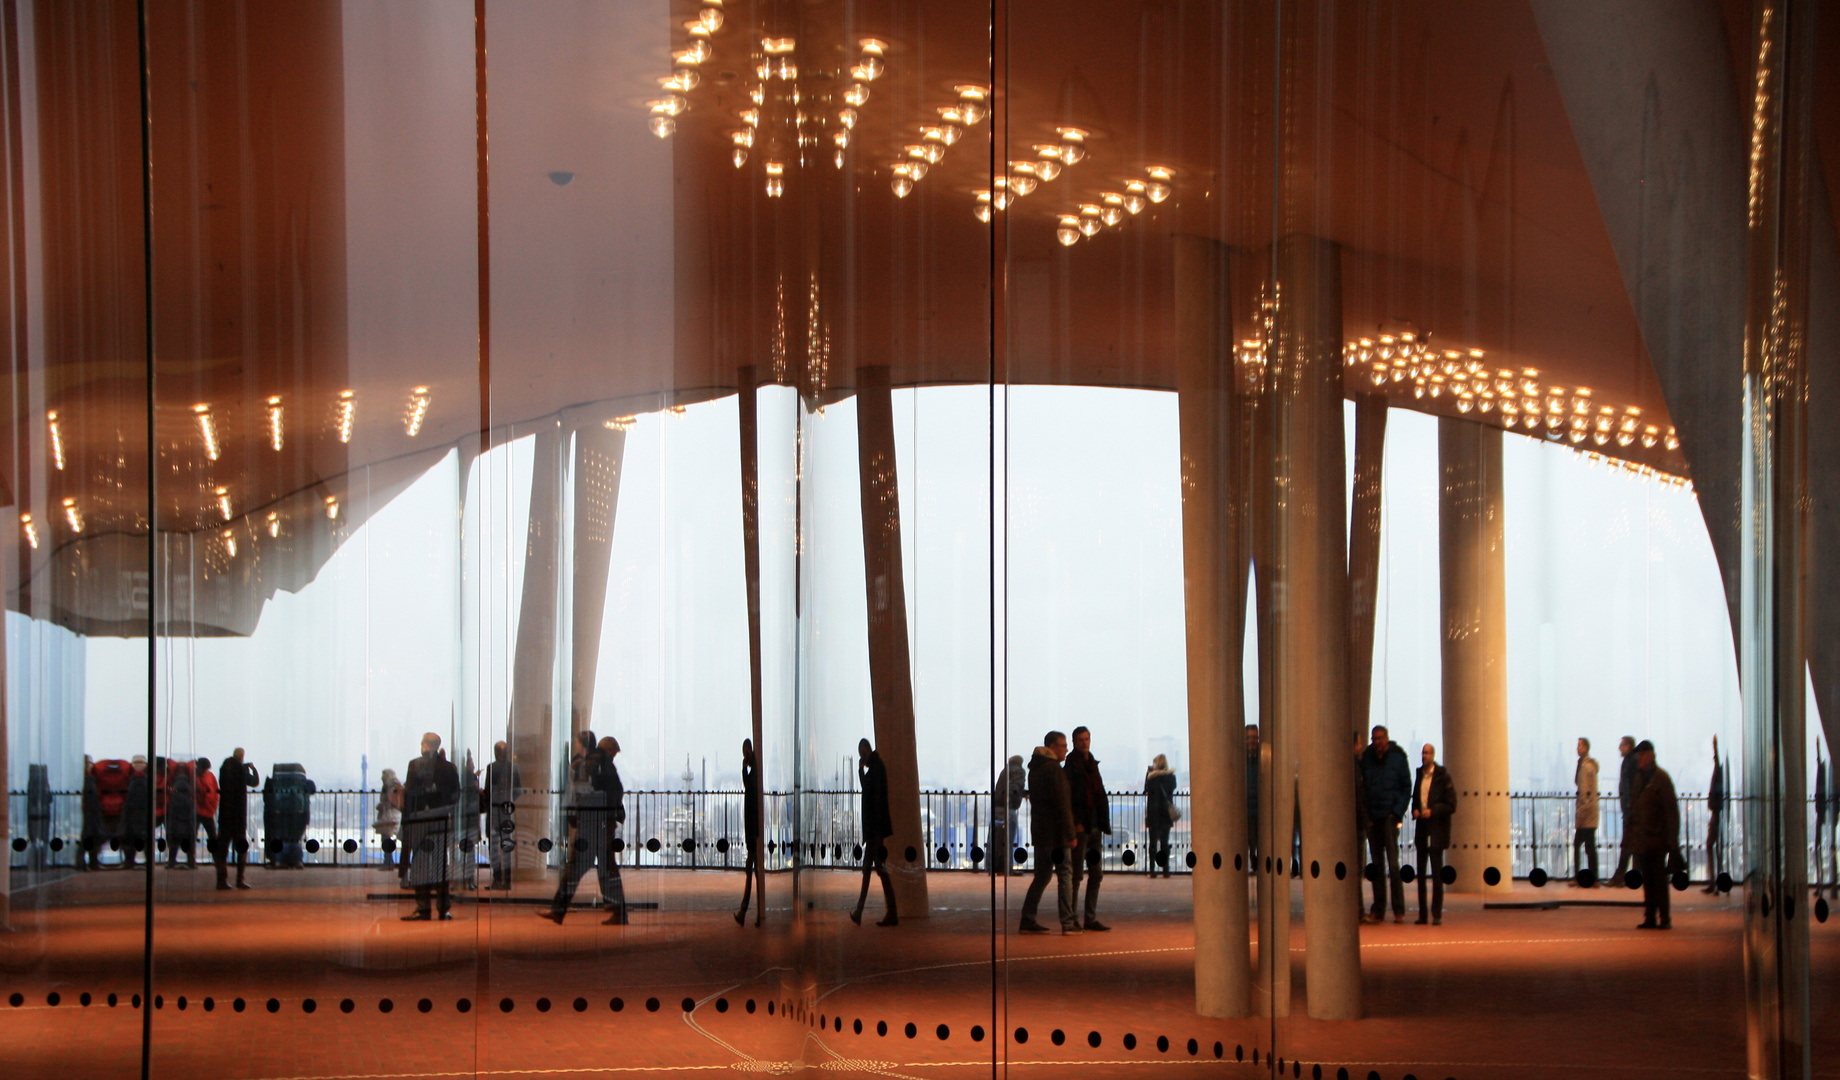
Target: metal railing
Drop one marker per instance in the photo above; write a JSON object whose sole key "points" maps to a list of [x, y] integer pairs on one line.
{"points": [[693, 830]]}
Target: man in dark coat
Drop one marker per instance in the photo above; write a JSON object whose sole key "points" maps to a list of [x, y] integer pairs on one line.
{"points": [[137, 813], [1653, 836], [585, 814], [1092, 818], [1252, 789], [750, 833], [877, 826], [1628, 783], [1006, 795], [1715, 818], [1159, 812], [181, 814], [431, 790], [1434, 799], [1052, 830], [613, 793], [1387, 780], [503, 782], [235, 777]]}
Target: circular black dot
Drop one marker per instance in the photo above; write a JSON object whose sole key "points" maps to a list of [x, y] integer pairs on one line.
{"points": [[1449, 874], [653, 845], [769, 1008], [1315, 869], [239, 1004], [722, 846], [750, 1005], [619, 845], [617, 1005], [977, 855], [943, 1032], [1537, 878], [347, 1005], [309, 1006], [1407, 873], [1022, 1035], [581, 1004], [313, 847], [1022, 856], [543, 1004], [57, 843], [651, 1004], [688, 844], [19, 843], [134, 1001], [911, 853], [1219, 1050], [1491, 876], [911, 1029], [1193, 1048], [1217, 860], [506, 1005], [1057, 1036], [274, 1005], [1372, 873], [1341, 871], [1632, 878], [210, 1004], [1162, 1044], [1239, 1052], [1239, 861], [1373, 1074], [977, 1033], [53, 998], [689, 1004], [383, 1006], [1586, 877], [349, 846], [1190, 859], [17, 1000], [881, 1027], [1820, 909], [1129, 858], [424, 1005], [1724, 882], [857, 1026], [464, 1005], [85, 999], [837, 1023], [159, 1001], [1316, 1072], [545, 845], [1093, 1039], [721, 1005]]}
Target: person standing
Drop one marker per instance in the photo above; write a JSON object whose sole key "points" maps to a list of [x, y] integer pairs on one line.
{"points": [[1654, 836], [1434, 799], [1160, 811], [1092, 820], [1584, 818], [235, 778], [877, 826], [1006, 796], [1252, 789], [1715, 820], [502, 784], [137, 813], [585, 819], [1628, 783], [1052, 831], [613, 795], [1821, 821], [750, 833], [89, 854], [207, 795], [430, 789], [388, 820], [181, 815], [1387, 779]]}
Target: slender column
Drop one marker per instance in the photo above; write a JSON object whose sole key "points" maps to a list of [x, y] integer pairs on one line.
{"points": [[1211, 560], [1364, 553], [533, 665], [748, 392], [1472, 575], [1310, 611], [1277, 761], [890, 677], [599, 454]]}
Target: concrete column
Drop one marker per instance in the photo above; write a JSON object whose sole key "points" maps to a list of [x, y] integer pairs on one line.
{"points": [[748, 392], [1213, 566], [533, 665], [1277, 761], [890, 674], [1473, 584], [599, 455], [1364, 553], [1310, 611]]}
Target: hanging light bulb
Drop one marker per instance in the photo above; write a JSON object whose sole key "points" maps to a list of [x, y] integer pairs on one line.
{"points": [[662, 126], [73, 516], [223, 502], [1089, 219], [868, 70], [739, 156], [31, 530], [1134, 204], [347, 414], [778, 46], [856, 94], [902, 185], [971, 99], [274, 422], [931, 153], [847, 117], [57, 438], [681, 81], [332, 508], [1021, 185], [982, 212], [776, 184], [1068, 232], [207, 428], [1111, 215], [710, 17], [1047, 170]]}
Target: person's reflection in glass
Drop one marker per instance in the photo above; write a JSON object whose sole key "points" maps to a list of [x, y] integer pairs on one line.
{"points": [[503, 782], [750, 830], [235, 778], [1006, 796], [181, 815], [877, 826], [613, 792], [137, 813], [585, 820], [431, 788], [1159, 812], [388, 821], [1653, 838]]}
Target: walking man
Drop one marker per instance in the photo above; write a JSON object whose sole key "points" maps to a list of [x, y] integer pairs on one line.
{"points": [[1092, 819], [586, 819], [1654, 837], [1052, 831], [1434, 799], [1388, 781], [1584, 819], [878, 826]]}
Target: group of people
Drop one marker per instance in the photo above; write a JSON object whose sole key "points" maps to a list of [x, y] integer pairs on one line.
{"points": [[1651, 825], [1069, 817], [1387, 790], [126, 801]]}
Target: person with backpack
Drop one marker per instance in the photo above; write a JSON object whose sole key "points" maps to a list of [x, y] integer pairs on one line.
{"points": [[137, 813], [181, 815], [235, 778], [109, 779], [287, 806]]}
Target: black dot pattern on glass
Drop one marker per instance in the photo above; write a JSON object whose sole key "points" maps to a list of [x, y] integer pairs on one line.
{"points": [[424, 1005], [1239, 862], [1820, 910], [911, 853], [383, 1006], [239, 1004], [546, 845], [1724, 882], [307, 1006], [16, 1000], [345, 1005], [1190, 859], [1057, 1036], [543, 1004], [1492, 876], [943, 1032], [1632, 878], [1537, 878], [350, 846], [1315, 869], [274, 1005], [1220, 1050], [1193, 1048], [1407, 873], [750, 1007], [1022, 856], [84, 999], [1022, 1035], [1130, 1041], [881, 1027], [721, 1005], [977, 1033], [1217, 860], [1162, 1044], [651, 1004], [910, 1030], [464, 1005], [159, 1001], [1129, 858], [505, 1005], [1341, 871], [1449, 874], [653, 845], [1093, 1039]]}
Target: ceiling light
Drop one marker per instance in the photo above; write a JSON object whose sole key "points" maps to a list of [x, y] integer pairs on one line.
{"points": [[57, 439]]}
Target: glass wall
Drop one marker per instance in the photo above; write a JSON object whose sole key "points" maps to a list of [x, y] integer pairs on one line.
{"points": [[880, 537]]}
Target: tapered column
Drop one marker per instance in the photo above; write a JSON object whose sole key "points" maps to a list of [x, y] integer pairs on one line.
{"points": [[1473, 586], [599, 454], [748, 393], [1364, 553], [1277, 801], [890, 676], [533, 665], [1213, 582], [1310, 610]]}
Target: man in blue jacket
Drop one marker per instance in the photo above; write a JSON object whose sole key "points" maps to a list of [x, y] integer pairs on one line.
{"points": [[1387, 778]]}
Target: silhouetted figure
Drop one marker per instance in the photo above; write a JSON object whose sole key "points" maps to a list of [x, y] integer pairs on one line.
{"points": [[1388, 783], [585, 818], [234, 780], [38, 813], [137, 813], [1823, 823], [287, 808], [613, 889], [1252, 788], [750, 833], [503, 782], [1092, 817], [1159, 811], [1654, 836], [1434, 799], [877, 826], [1584, 818], [207, 794], [181, 814], [1628, 782], [1052, 831], [92, 836], [1715, 821], [1006, 795], [467, 835], [387, 821], [431, 788]]}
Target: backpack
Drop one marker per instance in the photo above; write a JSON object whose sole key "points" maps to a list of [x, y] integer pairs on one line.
{"points": [[112, 778], [290, 792]]}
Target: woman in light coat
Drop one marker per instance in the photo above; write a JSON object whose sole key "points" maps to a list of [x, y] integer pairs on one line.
{"points": [[389, 815], [1584, 818]]}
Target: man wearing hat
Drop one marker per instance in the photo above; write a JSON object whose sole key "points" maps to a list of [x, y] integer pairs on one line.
{"points": [[1654, 836]]}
